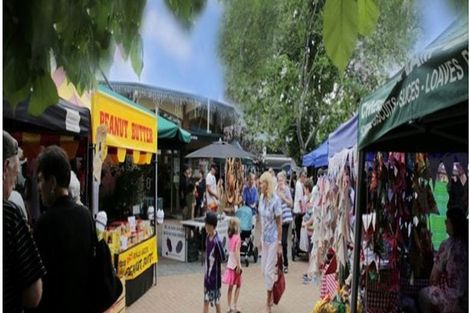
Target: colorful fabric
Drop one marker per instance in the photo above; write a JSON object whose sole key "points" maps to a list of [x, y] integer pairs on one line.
{"points": [[441, 195], [329, 285], [437, 225], [269, 210]]}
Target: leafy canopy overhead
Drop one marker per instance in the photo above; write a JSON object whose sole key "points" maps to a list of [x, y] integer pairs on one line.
{"points": [[79, 35], [186, 11], [279, 69]]}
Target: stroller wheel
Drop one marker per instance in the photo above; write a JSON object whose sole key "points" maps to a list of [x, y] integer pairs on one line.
{"points": [[246, 262], [255, 254]]}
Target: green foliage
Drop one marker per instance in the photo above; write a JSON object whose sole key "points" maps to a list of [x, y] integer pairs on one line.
{"points": [[343, 21], [78, 35], [44, 92], [186, 11], [368, 16], [340, 29], [278, 70], [458, 6], [137, 50]]}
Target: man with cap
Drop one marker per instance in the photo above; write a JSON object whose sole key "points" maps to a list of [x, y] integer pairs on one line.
{"points": [[22, 266]]}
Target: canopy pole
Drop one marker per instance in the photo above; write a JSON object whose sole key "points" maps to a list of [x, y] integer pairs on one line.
{"points": [[156, 199], [357, 232]]}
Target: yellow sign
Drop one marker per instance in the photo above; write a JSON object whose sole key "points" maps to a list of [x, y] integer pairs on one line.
{"points": [[128, 126], [136, 260]]}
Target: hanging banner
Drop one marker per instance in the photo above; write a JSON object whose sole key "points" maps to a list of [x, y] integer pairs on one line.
{"points": [[134, 261], [128, 125], [431, 81]]}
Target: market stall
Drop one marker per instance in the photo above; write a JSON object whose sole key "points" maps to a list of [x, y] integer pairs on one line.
{"points": [[62, 124], [172, 139], [184, 240], [317, 157], [125, 140], [423, 109], [334, 214]]}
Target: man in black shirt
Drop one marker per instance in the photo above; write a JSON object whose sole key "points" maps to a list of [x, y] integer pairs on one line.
{"points": [[186, 191], [22, 266], [64, 234]]}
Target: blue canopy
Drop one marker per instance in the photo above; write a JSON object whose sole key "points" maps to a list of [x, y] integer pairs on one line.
{"points": [[344, 137], [318, 157]]}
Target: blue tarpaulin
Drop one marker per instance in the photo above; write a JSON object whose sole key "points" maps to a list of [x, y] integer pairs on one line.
{"points": [[318, 157], [344, 137]]}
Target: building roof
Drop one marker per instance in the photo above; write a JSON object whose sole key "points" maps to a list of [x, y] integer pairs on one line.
{"points": [[159, 94]]}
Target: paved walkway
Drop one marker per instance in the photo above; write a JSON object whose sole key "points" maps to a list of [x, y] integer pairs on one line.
{"points": [[183, 292]]}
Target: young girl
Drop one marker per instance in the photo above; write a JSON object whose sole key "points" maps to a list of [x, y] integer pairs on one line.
{"points": [[233, 272]]}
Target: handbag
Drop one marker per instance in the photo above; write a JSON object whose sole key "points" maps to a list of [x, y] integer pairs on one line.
{"points": [[106, 287], [280, 284]]}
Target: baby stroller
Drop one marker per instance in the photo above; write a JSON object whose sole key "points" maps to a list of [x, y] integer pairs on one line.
{"points": [[247, 249]]}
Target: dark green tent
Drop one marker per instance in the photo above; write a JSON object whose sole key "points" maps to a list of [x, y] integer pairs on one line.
{"points": [[422, 108], [426, 102], [169, 130]]}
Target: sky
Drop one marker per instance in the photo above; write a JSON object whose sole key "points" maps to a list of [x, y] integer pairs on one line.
{"points": [[178, 59], [188, 61], [436, 17]]}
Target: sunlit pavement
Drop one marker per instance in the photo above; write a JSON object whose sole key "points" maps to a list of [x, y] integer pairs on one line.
{"points": [[184, 293]]}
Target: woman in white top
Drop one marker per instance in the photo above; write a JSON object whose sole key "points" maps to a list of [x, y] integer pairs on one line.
{"points": [[270, 212]]}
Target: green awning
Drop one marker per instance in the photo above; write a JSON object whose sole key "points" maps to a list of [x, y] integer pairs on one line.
{"points": [[432, 81], [169, 130]]}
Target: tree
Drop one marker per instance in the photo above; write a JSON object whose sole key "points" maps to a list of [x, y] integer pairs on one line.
{"points": [[347, 23], [79, 35], [186, 11], [278, 70]]}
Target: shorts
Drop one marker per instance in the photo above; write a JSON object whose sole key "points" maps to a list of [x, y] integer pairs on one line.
{"points": [[212, 296]]}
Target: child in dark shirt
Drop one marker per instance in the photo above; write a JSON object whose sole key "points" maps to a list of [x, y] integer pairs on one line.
{"points": [[214, 257]]}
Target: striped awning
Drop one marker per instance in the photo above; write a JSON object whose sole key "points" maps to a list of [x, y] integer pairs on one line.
{"points": [[33, 143]]}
